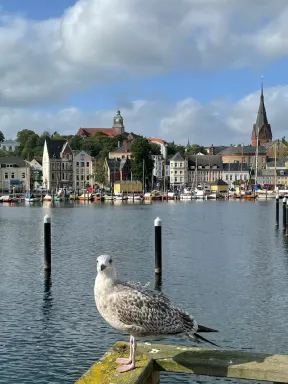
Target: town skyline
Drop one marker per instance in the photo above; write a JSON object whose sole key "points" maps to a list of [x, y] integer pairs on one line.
{"points": [[188, 70]]}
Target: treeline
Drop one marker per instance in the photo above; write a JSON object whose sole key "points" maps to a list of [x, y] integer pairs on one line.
{"points": [[32, 144]]}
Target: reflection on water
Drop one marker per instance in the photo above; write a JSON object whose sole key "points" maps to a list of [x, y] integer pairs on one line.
{"points": [[224, 262]]}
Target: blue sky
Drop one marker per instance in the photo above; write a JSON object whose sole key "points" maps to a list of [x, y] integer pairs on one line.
{"points": [[190, 70]]}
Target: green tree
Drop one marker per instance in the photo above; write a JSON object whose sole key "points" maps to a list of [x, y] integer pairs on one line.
{"points": [[100, 174], [76, 142], [194, 149], [173, 148], [141, 155], [2, 138], [155, 149]]}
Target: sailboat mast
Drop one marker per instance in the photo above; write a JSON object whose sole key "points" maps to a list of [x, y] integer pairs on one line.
{"points": [[275, 173]]}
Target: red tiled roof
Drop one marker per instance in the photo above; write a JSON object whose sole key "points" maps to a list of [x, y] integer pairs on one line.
{"points": [[91, 131], [160, 141]]}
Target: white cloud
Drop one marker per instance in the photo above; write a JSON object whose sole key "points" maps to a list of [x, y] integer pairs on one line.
{"points": [[218, 122], [97, 41]]}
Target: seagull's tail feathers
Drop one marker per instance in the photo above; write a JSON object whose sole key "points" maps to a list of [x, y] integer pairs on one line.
{"points": [[201, 338], [202, 329]]}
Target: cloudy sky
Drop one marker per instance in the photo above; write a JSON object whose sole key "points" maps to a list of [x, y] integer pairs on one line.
{"points": [[177, 69]]}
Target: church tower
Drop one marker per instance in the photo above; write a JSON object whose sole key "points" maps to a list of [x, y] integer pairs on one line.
{"points": [[118, 123], [262, 127]]}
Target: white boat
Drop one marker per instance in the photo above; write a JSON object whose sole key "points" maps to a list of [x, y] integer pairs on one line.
{"points": [[211, 196], [186, 194], [136, 197], [30, 198], [47, 198], [120, 197], [108, 197], [265, 194], [5, 199]]}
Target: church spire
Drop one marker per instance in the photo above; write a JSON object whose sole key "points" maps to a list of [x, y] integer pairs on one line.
{"points": [[261, 128], [261, 115]]}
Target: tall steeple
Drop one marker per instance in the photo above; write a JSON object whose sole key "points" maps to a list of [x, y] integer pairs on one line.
{"points": [[261, 128]]}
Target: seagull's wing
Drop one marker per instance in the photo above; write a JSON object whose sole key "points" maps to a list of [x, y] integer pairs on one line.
{"points": [[147, 292], [146, 314]]}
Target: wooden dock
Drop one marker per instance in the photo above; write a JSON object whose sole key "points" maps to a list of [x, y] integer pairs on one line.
{"points": [[152, 359]]}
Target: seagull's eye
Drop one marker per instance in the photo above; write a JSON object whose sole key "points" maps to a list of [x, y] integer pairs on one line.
{"points": [[110, 261]]}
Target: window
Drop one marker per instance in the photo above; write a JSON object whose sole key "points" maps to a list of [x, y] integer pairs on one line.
{"points": [[230, 177], [10, 147], [181, 172], [82, 156], [181, 164], [82, 177], [4, 147], [23, 175], [63, 165], [53, 176], [87, 164], [82, 164], [6, 175], [63, 176], [77, 178], [88, 177], [176, 172], [176, 179], [77, 164], [176, 165], [12, 175]]}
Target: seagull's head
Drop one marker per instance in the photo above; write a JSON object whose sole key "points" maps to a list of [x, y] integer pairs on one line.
{"points": [[106, 267]]}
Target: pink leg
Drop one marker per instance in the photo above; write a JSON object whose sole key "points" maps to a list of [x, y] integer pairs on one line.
{"points": [[125, 361], [131, 365]]}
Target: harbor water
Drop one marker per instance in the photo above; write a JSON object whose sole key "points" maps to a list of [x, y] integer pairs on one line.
{"points": [[223, 261]]}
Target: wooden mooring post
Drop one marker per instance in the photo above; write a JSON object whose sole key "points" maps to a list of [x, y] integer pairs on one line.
{"points": [[151, 359], [284, 213], [277, 210]]}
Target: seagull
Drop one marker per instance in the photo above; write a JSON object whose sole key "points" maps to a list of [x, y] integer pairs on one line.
{"points": [[140, 312]]}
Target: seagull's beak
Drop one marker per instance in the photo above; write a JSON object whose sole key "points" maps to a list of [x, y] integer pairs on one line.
{"points": [[102, 267]]}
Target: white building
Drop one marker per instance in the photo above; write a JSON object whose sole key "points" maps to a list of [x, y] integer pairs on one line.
{"points": [[57, 165], [158, 166], [235, 172], [36, 173], [15, 173], [9, 145], [178, 170], [82, 169]]}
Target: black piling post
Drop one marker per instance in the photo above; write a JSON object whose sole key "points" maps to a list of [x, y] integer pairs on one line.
{"points": [[277, 210], [284, 213], [286, 228], [47, 243], [158, 246]]}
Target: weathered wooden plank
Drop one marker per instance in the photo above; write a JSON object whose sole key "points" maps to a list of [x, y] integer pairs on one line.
{"points": [[200, 361], [222, 363], [105, 370]]}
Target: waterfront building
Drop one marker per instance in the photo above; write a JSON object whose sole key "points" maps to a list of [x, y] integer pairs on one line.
{"points": [[235, 172], [57, 164], [178, 171], [204, 169], [127, 186], [82, 169], [15, 173], [244, 154]]}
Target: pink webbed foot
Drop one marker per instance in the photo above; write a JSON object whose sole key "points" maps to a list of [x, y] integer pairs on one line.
{"points": [[123, 361], [126, 367]]}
